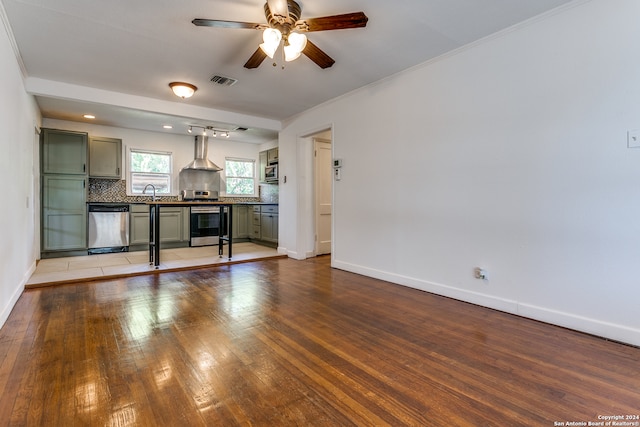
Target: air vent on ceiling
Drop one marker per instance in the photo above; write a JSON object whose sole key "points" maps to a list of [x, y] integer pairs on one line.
{"points": [[224, 81], [241, 129]]}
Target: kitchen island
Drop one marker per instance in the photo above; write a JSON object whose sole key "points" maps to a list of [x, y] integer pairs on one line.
{"points": [[226, 219]]}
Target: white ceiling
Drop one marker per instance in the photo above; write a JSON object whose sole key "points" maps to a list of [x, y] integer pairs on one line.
{"points": [[116, 58]]}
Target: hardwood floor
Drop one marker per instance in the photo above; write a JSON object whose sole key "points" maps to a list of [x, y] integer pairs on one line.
{"points": [[283, 342]]}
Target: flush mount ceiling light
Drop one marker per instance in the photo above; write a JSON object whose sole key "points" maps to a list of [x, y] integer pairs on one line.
{"points": [[183, 90]]}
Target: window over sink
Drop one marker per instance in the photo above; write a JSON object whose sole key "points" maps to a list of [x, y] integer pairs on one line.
{"points": [[240, 177], [149, 167]]}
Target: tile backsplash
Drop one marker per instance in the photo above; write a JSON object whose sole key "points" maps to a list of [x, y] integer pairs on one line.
{"points": [[115, 191]]}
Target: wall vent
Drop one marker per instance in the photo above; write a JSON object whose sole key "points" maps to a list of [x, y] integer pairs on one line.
{"points": [[223, 81]]}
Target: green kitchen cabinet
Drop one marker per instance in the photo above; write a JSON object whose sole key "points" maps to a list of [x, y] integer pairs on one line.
{"points": [[272, 155], [105, 158], [63, 193], [263, 224], [174, 226], [240, 222], [64, 152], [262, 164], [269, 223], [64, 213]]}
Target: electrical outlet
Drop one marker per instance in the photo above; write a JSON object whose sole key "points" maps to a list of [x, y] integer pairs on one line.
{"points": [[480, 273]]}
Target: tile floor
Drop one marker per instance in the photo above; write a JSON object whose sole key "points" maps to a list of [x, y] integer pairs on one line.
{"points": [[60, 270]]}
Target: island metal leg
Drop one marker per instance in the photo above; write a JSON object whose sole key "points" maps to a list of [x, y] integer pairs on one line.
{"points": [[156, 236], [151, 236], [226, 223], [230, 229]]}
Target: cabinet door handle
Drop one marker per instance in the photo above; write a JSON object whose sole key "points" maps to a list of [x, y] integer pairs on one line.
{"points": [[117, 171], [84, 167]]}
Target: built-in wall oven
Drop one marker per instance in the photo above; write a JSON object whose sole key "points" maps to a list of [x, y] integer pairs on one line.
{"points": [[205, 225]]}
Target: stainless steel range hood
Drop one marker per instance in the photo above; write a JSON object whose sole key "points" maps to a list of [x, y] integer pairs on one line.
{"points": [[201, 162]]}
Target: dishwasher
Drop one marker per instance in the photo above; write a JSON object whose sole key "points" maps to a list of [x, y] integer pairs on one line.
{"points": [[108, 228]]}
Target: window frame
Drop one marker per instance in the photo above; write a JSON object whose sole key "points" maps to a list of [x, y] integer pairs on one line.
{"points": [[254, 177], [171, 177]]}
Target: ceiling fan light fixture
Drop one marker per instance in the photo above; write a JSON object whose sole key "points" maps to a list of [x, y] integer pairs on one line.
{"points": [[272, 38], [183, 90], [296, 43]]}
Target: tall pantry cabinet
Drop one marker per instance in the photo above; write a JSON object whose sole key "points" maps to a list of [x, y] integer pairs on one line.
{"points": [[64, 192]]}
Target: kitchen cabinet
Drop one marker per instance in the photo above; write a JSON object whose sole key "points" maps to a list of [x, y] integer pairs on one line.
{"points": [[174, 226], [105, 158], [269, 223], [64, 214], [264, 224], [240, 222], [63, 193], [262, 164], [272, 155], [256, 233], [64, 152], [265, 158]]}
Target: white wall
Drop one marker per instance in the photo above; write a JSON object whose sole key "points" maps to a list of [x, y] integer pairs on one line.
{"points": [[182, 146], [19, 118], [510, 155]]}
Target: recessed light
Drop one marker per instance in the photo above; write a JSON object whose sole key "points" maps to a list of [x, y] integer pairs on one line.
{"points": [[167, 127], [89, 116]]}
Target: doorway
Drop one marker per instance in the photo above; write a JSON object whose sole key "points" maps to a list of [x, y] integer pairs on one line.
{"points": [[323, 192]]}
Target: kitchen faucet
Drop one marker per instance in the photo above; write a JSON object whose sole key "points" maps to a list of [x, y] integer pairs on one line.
{"points": [[153, 199]]}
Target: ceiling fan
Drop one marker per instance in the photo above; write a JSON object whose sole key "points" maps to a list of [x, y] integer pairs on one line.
{"points": [[284, 25]]}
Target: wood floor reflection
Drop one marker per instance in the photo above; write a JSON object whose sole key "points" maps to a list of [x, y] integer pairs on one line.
{"points": [[283, 342]]}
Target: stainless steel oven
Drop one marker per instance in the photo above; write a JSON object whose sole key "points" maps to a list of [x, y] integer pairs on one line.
{"points": [[205, 225]]}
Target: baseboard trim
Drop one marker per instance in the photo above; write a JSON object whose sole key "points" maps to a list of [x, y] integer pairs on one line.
{"points": [[591, 326], [6, 310]]}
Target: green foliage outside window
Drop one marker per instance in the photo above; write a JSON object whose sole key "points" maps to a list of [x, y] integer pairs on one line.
{"points": [[240, 176], [150, 162], [146, 167]]}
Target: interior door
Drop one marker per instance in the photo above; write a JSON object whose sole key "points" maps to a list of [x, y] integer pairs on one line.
{"points": [[323, 193]]}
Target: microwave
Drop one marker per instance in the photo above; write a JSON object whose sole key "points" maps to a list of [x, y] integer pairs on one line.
{"points": [[271, 172]]}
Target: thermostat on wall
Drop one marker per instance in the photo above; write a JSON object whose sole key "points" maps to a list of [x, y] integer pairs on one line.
{"points": [[337, 163]]}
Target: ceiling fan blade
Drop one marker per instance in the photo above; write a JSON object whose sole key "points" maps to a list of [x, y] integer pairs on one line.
{"points": [[279, 7], [256, 59], [317, 55], [335, 22], [228, 24]]}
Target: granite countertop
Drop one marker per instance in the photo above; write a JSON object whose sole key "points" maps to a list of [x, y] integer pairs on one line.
{"points": [[184, 202], [204, 203]]}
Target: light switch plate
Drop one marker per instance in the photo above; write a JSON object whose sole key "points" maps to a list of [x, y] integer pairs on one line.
{"points": [[633, 138]]}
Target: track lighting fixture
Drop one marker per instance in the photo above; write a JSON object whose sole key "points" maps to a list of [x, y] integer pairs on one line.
{"points": [[214, 131]]}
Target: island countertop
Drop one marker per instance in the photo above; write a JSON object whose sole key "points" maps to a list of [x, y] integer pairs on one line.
{"points": [[204, 203]]}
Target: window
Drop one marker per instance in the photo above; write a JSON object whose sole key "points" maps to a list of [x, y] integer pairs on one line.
{"points": [[149, 167], [241, 177]]}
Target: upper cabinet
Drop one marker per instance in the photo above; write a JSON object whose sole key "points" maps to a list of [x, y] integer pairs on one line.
{"points": [[266, 158], [272, 155], [105, 158], [262, 157], [64, 152]]}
